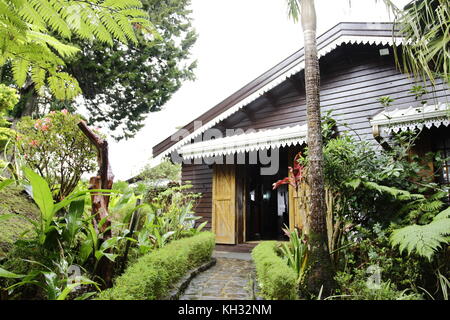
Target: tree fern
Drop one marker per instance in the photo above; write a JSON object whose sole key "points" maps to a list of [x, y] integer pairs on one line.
{"points": [[424, 240], [27, 29], [405, 195]]}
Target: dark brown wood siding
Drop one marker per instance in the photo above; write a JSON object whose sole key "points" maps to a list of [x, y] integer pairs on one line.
{"points": [[353, 77], [200, 176], [364, 29], [350, 86]]}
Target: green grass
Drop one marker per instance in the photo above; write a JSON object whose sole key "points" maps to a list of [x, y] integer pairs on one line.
{"points": [[13, 200]]}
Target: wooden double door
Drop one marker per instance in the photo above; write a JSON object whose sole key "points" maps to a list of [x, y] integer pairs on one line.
{"points": [[233, 216]]}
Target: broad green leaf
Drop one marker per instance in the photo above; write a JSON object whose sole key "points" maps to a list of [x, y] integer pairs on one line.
{"points": [[41, 195], [85, 250], [74, 219], [6, 274], [354, 183]]}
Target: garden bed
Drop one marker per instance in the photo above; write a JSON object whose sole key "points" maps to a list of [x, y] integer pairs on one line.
{"points": [[154, 274]]}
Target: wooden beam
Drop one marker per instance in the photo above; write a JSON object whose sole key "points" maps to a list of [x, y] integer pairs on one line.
{"points": [[270, 97]]}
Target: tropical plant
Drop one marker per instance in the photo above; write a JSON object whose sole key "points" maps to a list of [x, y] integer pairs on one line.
{"points": [[360, 287], [170, 217], [296, 253], [133, 87], [34, 35], [424, 240], [57, 149], [8, 98], [425, 26], [65, 236], [295, 175]]}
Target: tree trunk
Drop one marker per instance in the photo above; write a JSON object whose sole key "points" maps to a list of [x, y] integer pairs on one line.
{"points": [[28, 101], [320, 268], [103, 180]]}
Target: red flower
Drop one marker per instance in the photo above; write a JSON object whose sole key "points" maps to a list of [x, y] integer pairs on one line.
{"points": [[295, 175], [34, 143], [64, 111]]}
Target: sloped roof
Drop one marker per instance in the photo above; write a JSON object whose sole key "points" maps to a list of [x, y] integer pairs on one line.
{"points": [[343, 33], [246, 142]]}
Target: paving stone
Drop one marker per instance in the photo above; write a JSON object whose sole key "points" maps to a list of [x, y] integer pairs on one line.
{"points": [[229, 279]]}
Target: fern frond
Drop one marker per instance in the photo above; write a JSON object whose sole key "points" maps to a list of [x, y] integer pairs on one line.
{"points": [[26, 28], [49, 13], [443, 215], [127, 28], [405, 195], [63, 50], [120, 4], [424, 240], [430, 206], [96, 26], [63, 86], [112, 26], [38, 77], [30, 15], [20, 70]]}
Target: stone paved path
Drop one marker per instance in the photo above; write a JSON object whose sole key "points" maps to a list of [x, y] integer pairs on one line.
{"points": [[229, 279]]}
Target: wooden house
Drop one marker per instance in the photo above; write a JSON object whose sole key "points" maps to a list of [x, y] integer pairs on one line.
{"points": [[268, 116]]}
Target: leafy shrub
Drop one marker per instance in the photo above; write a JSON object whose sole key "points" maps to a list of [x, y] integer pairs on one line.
{"points": [[357, 287], [370, 246], [153, 274], [8, 99], [62, 238], [57, 149], [170, 216], [276, 279]]}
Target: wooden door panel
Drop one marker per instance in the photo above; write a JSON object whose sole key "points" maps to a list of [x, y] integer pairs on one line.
{"points": [[224, 204]]}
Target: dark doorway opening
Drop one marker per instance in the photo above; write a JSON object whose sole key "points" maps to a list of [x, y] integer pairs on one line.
{"points": [[267, 211]]}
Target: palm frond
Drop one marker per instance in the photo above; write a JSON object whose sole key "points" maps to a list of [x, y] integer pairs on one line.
{"points": [[294, 9]]}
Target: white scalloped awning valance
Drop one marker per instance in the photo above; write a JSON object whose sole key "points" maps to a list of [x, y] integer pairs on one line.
{"points": [[413, 118], [247, 142], [296, 68]]}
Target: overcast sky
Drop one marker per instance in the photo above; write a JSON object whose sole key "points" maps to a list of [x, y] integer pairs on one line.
{"points": [[238, 41]]}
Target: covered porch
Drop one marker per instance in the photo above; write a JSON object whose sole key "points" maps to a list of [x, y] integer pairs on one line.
{"points": [[245, 207]]}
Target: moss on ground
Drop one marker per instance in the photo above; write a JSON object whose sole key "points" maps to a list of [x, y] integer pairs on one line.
{"points": [[14, 200]]}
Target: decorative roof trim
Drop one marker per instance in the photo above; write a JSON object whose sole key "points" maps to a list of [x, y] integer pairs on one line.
{"points": [[413, 118], [247, 142], [299, 66]]}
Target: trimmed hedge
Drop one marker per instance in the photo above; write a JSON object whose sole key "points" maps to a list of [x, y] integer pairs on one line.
{"points": [[152, 275], [276, 279]]}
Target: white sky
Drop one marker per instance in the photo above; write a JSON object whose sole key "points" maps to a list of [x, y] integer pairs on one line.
{"points": [[238, 41]]}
